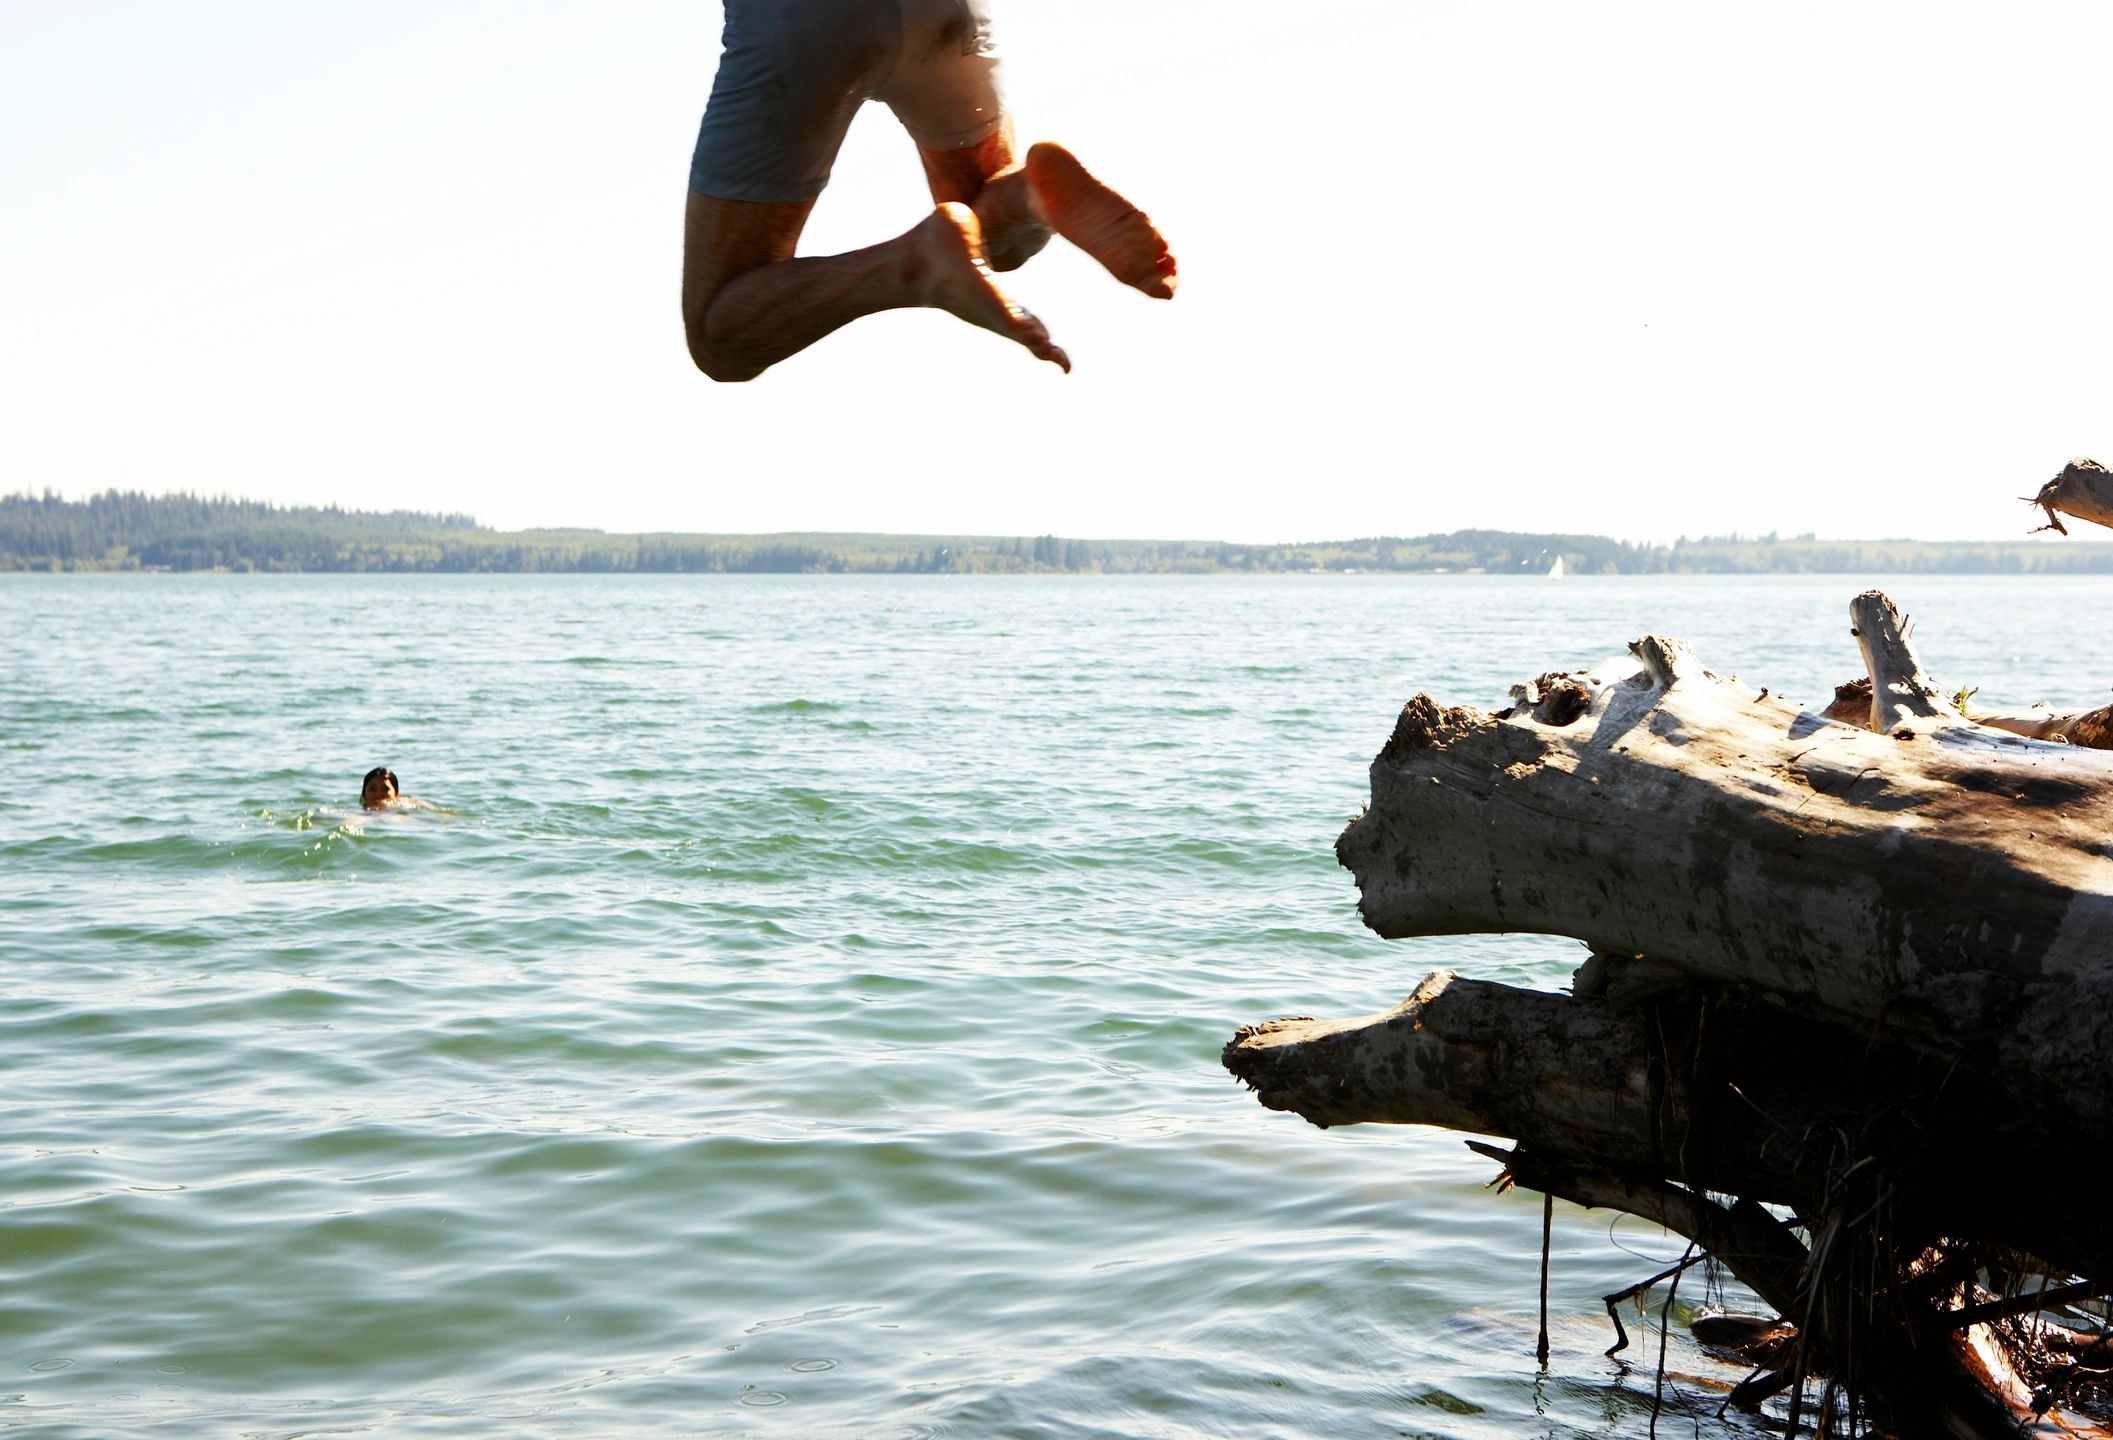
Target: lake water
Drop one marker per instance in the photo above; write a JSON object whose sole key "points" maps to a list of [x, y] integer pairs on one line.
{"points": [[801, 1019]]}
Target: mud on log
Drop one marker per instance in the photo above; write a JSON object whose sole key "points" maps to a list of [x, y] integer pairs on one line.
{"points": [[1848, 1018]]}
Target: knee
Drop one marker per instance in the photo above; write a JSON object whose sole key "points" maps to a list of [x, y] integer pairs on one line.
{"points": [[714, 363], [717, 368]]}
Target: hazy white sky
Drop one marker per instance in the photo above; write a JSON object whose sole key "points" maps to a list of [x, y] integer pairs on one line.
{"points": [[1640, 269]]}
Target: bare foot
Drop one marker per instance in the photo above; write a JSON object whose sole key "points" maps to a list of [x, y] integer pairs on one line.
{"points": [[1099, 221], [956, 278]]}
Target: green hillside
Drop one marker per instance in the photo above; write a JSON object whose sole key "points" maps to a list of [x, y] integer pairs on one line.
{"points": [[123, 530]]}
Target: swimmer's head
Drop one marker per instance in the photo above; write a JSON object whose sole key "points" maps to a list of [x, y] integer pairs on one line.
{"points": [[378, 789]]}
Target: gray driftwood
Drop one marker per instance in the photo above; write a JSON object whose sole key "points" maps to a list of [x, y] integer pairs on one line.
{"points": [[1713, 1093], [2083, 490], [2091, 728], [1937, 881], [1848, 1017]]}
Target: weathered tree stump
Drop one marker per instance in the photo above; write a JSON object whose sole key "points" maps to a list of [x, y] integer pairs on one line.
{"points": [[1946, 883], [2083, 490], [1848, 1019]]}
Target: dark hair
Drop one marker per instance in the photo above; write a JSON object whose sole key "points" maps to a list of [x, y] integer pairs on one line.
{"points": [[379, 772]]}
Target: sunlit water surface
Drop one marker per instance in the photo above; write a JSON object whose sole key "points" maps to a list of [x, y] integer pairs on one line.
{"points": [[802, 1016]]}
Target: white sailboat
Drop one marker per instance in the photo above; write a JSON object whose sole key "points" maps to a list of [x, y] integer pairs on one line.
{"points": [[1556, 571]]}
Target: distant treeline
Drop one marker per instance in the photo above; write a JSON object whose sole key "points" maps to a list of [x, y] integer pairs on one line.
{"points": [[129, 531]]}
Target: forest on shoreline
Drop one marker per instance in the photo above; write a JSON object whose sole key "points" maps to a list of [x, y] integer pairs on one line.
{"points": [[130, 531]]}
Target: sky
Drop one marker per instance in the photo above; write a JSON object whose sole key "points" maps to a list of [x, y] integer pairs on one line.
{"points": [[1639, 269]]}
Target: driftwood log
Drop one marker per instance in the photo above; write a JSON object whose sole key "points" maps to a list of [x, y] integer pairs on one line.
{"points": [[1847, 1020], [2093, 728], [2083, 490], [1925, 877]]}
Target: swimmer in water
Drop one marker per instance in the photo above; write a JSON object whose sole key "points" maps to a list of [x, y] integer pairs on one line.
{"points": [[378, 788], [378, 791], [793, 74]]}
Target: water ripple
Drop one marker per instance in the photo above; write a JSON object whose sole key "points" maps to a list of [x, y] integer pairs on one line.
{"points": [[800, 1018]]}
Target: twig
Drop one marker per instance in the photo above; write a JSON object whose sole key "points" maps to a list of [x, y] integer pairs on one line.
{"points": [[2044, 1398], [1665, 1323], [1540, 1351], [1620, 1296], [1823, 1425], [1815, 1271], [1761, 1385], [2020, 1304]]}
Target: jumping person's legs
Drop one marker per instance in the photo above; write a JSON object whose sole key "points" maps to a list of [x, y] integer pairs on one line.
{"points": [[746, 304], [1020, 204], [793, 74], [986, 176], [944, 88]]}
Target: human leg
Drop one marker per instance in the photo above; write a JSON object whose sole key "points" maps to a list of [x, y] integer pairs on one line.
{"points": [[789, 81], [1021, 204], [986, 176], [747, 303], [945, 89]]}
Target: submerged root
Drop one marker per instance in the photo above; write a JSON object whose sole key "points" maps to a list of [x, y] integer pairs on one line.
{"points": [[1907, 1338], [1882, 1323]]}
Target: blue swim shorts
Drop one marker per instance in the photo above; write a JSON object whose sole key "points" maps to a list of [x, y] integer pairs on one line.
{"points": [[794, 72]]}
